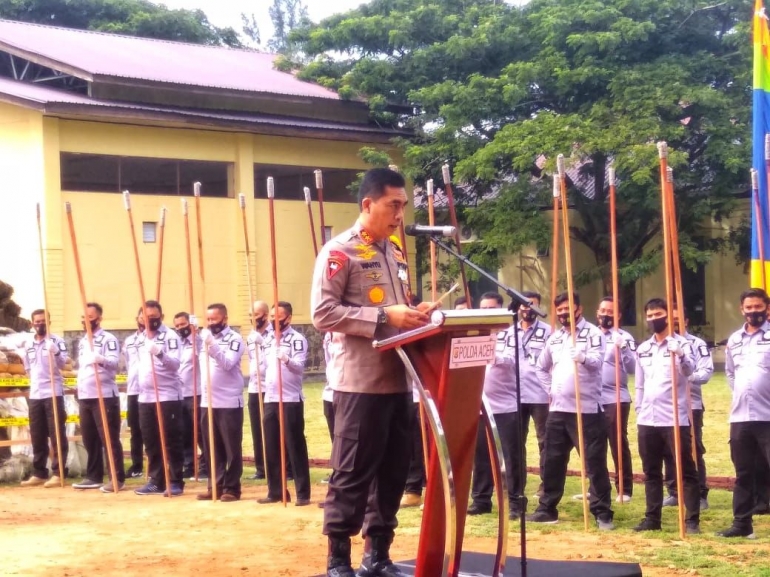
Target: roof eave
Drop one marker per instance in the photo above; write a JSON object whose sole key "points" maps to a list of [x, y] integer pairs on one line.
{"points": [[46, 61]]}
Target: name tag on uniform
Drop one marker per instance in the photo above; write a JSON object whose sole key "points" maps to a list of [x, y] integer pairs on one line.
{"points": [[472, 351]]}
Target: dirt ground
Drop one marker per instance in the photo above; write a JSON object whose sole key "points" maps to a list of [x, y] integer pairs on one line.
{"points": [[63, 532]]}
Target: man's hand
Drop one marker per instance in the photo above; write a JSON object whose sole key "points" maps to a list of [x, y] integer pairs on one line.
{"points": [[281, 355], [577, 355], [620, 341], [426, 307], [675, 347], [207, 337], [152, 348], [405, 317], [53, 348], [257, 339]]}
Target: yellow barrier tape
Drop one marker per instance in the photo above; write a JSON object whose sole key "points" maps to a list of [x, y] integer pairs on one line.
{"points": [[24, 421], [68, 382]]}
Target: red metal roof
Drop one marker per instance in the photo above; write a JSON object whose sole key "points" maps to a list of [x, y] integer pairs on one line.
{"points": [[100, 54]]}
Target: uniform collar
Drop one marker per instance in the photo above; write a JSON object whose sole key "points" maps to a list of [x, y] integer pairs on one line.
{"points": [[578, 327], [763, 329], [366, 238], [227, 330]]}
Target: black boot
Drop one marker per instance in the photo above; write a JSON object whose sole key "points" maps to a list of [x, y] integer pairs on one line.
{"points": [[338, 562], [376, 561]]}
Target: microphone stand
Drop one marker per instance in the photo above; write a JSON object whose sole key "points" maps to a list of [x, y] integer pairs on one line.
{"points": [[517, 299]]}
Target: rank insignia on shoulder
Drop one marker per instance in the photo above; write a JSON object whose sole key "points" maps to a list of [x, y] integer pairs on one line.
{"points": [[366, 237], [112, 346], [337, 260], [298, 345], [235, 346]]}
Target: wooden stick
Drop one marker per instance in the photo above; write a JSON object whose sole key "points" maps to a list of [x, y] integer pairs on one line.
{"points": [[277, 328], [616, 324], [663, 155], [759, 222], [319, 186], [306, 190], [209, 394], [453, 216], [442, 298], [571, 297], [193, 336], [432, 222], [161, 428], [54, 396], [160, 250], [242, 202], [555, 246], [90, 336], [674, 237]]}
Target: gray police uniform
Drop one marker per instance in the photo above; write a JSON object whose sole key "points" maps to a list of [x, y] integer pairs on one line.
{"points": [[256, 369], [190, 373], [130, 354]]}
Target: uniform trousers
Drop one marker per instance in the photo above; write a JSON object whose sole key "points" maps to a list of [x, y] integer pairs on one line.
{"points": [[329, 414], [172, 428], [415, 479], [92, 430], [700, 450], [228, 449], [370, 451], [483, 480], [654, 442], [749, 444], [296, 448], [762, 484], [560, 438], [611, 419], [189, 452], [42, 427], [255, 418], [132, 418], [538, 412]]}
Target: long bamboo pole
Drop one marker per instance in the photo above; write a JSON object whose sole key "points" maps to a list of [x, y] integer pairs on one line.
{"points": [[54, 396], [193, 337], [432, 222], [453, 217], [162, 226], [555, 246], [319, 186], [308, 202]]}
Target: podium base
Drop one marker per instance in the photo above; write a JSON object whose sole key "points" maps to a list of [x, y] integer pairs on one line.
{"points": [[480, 565]]}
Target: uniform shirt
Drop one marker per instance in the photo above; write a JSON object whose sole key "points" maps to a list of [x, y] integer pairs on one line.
{"points": [[747, 366], [531, 344], [704, 368], [256, 362], [295, 347], [130, 353], [328, 392], [224, 362], [500, 376], [627, 365], [556, 369], [36, 357], [166, 367], [106, 345], [354, 276], [653, 382], [189, 365]]}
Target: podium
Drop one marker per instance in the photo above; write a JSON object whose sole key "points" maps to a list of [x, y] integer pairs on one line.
{"points": [[446, 361]]}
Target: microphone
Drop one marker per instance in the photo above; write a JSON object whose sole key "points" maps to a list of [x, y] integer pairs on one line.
{"points": [[420, 230]]}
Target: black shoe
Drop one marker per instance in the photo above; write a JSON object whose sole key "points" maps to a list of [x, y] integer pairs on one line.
{"points": [[338, 561], [514, 514], [377, 562], [476, 509], [543, 517], [257, 476], [761, 509], [734, 531], [647, 525], [268, 500], [692, 528], [302, 502]]}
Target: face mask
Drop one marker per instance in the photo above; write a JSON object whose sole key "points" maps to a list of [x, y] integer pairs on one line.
{"points": [[283, 325], [140, 326], [94, 325], [260, 323], [756, 318], [40, 330], [528, 316], [564, 320], [606, 321], [184, 332], [154, 324], [217, 328], [657, 325]]}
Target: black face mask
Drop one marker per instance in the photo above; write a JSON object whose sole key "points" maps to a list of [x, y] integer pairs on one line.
{"points": [[658, 325], [283, 325], [184, 332], [564, 320], [606, 321], [528, 316], [40, 330], [756, 318], [217, 328], [155, 324], [94, 325], [260, 323]]}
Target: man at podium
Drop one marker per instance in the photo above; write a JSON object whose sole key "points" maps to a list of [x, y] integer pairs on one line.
{"points": [[360, 292]]}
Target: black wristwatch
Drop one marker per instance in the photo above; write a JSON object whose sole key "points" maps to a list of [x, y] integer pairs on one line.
{"points": [[382, 316]]}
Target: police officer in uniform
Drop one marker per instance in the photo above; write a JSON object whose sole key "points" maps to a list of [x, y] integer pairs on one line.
{"points": [[655, 415], [360, 292], [704, 368], [225, 349], [262, 328], [159, 353], [104, 357], [556, 370], [42, 353], [290, 355], [747, 365], [130, 354], [327, 397]]}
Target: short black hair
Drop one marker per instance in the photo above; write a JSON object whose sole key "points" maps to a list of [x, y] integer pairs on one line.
{"points": [[182, 315], [218, 307], [461, 301], [376, 181], [95, 306], [564, 297], [153, 305], [656, 303], [37, 312], [532, 295], [492, 295], [286, 305], [607, 299], [753, 293]]}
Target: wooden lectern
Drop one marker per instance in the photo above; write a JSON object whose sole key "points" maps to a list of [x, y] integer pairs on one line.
{"points": [[446, 361]]}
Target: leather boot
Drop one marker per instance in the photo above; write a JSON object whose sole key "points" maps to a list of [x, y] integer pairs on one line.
{"points": [[338, 561], [376, 561]]}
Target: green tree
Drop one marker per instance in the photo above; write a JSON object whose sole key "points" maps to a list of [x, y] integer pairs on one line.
{"points": [[130, 17], [498, 91], [286, 15]]}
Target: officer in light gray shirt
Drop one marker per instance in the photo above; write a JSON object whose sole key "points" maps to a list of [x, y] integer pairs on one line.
{"points": [[130, 354], [262, 328]]}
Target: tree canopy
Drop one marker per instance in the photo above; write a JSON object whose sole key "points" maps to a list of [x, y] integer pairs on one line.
{"points": [[499, 91]]}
